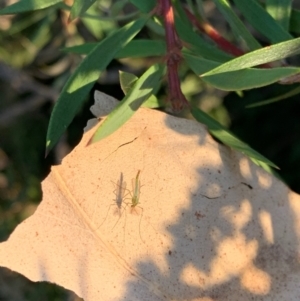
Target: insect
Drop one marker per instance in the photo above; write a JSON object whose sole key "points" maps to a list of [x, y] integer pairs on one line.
{"points": [[118, 201], [136, 187], [120, 193], [135, 198]]}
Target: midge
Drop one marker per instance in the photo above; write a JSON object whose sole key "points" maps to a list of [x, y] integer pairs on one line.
{"points": [[120, 195], [136, 190], [135, 198], [120, 199]]}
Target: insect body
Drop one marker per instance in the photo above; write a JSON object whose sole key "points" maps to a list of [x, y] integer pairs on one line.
{"points": [[135, 198], [120, 195], [136, 186]]}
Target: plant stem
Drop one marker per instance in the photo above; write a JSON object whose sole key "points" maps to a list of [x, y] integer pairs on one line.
{"points": [[173, 57]]}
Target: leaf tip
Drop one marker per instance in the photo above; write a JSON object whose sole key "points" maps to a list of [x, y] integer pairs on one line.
{"points": [[48, 148], [91, 141]]}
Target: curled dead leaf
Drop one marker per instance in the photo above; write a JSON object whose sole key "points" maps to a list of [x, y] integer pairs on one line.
{"points": [[210, 225]]}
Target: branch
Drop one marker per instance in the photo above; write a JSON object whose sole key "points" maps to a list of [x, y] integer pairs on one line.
{"points": [[173, 58]]}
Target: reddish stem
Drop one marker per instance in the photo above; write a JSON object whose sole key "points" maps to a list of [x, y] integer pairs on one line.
{"points": [[173, 57], [217, 38], [214, 35]]}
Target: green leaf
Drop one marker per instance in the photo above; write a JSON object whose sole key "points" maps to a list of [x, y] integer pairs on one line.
{"points": [[249, 78], [198, 44], [143, 88], [82, 49], [288, 94], [28, 5], [153, 103], [236, 24], [258, 57], [156, 27], [79, 7], [144, 6], [238, 80], [143, 48], [225, 136], [83, 79], [262, 21], [280, 10], [135, 48], [181, 14], [127, 80], [295, 21], [117, 7], [198, 64], [97, 26]]}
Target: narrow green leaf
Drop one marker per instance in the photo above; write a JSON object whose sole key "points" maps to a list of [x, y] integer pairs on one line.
{"points": [[289, 94], [79, 7], [85, 48], [144, 6], [82, 80], [225, 136], [198, 64], [236, 24], [198, 44], [135, 48], [144, 87], [267, 168], [262, 21], [258, 57], [117, 7], [238, 80], [143, 48], [280, 10], [249, 78], [98, 27], [153, 103], [181, 14], [27, 5], [156, 27], [127, 80]]}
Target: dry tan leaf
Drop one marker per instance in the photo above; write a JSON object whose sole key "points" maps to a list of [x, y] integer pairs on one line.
{"points": [[210, 225]]}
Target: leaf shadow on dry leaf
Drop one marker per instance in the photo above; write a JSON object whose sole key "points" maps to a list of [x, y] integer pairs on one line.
{"points": [[210, 224]]}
